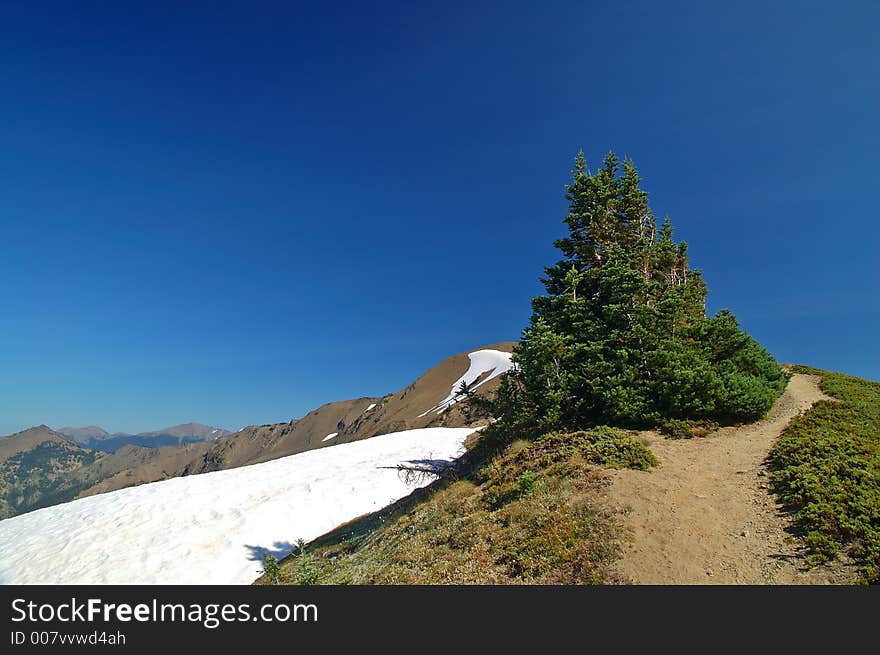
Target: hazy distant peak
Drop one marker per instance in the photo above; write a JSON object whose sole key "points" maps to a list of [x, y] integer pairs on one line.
{"points": [[82, 435], [191, 430]]}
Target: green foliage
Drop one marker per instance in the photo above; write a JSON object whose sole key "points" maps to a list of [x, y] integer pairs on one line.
{"points": [[525, 483], [601, 446], [472, 406], [622, 337], [827, 470], [38, 478], [271, 569], [305, 570], [301, 568], [678, 429], [498, 495]]}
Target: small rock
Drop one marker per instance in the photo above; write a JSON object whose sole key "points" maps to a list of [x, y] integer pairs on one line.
{"points": [[744, 533]]}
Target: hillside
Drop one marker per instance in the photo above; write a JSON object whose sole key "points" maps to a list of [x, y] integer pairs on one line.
{"points": [[527, 514], [40, 467], [597, 507], [707, 514], [619, 356], [128, 460], [426, 402], [637, 439], [19, 442], [35, 469], [826, 470], [133, 465]]}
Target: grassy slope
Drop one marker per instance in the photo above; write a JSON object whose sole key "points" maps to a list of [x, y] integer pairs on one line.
{"points": [[530, 513], [827, 470], [526, 515]]}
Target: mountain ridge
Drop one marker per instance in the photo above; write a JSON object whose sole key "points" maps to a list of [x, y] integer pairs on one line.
{"points": [[117, 461], [353, 420], [97, 438], [37, 469]]}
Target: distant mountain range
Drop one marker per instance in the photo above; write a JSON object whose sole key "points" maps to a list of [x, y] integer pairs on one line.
{"points": [[98, 438], [40, 467]]}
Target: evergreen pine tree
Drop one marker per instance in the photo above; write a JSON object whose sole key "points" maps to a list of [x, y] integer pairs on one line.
{"points": [[622, 336]]}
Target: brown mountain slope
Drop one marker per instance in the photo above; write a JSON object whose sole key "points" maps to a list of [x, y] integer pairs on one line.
{"points": [[35, 469], [348, 420], [133, 465], [27, 440], [40, 467]]}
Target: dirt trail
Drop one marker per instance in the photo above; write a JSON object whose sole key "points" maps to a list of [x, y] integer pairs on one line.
{"points": [[706, 514]]}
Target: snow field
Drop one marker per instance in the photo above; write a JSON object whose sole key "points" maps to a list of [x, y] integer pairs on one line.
{"points": [[494, 362], [213, 528]]}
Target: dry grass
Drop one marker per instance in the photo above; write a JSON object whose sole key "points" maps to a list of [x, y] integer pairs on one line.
{"points": [[529, 515]]}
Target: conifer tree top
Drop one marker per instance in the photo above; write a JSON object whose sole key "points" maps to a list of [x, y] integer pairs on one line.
{"points": [[622, 335]]}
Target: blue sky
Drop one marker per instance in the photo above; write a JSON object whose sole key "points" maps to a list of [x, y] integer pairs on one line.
{"points": [[232, 214]]}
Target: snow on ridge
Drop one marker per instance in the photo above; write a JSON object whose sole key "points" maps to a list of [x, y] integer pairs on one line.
{"points": [[494, 362], [330, 436], [213, 528], [369, 408]]}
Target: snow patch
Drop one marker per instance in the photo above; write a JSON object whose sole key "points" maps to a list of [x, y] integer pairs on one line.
{"points": [[214, 528], [369, 408], [330, 436], [493, 362]]}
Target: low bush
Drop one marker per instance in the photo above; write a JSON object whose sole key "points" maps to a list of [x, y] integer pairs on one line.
{"points": [[271, 570], [681, 429], [827, 470]]}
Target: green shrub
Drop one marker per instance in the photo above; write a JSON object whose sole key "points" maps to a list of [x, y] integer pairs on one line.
{"points": [[525, 483], [826, 468], [522, 487], [306, 570], [271, 569], [602, 446], [676, 428], [679, 429]]}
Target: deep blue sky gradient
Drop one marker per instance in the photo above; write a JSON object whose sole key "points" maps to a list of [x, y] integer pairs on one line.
{"points": [[232, 214]]}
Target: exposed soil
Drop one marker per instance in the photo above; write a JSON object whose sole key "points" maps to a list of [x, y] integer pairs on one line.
{"points": [[706, 514]]}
